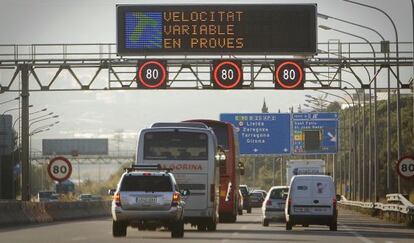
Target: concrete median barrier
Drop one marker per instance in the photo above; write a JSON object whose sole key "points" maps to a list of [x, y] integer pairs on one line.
{"points": [[14, 213]]}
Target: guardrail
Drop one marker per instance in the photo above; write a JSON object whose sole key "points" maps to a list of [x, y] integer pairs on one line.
{"points": [[398, 205], [18, 212]]}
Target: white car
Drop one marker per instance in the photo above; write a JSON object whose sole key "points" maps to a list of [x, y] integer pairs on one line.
{"points": [[273, 208], [311, 200]]}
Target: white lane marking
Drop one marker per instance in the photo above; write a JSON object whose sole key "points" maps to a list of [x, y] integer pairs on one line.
{"points": [[389, 242], [357, 235]]}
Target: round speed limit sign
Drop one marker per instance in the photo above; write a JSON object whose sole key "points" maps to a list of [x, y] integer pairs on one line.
{"points": [[405, 167], [227, 74], [152, 74], [59, 169], [289, 75]]}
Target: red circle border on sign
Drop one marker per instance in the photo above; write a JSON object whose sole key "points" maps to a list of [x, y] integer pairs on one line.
{"points": [[398, 167], [295, 84], [64, 160], [233, 64], [164, 74]]}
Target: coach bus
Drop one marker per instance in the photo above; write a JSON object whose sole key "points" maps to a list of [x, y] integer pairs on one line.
{"points": [[189, 150], [230, 173]]}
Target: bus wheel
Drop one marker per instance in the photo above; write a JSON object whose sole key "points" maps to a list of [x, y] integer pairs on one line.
{"points": [[211, 225]]}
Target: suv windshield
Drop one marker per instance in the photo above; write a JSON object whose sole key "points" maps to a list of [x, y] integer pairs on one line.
{"points": [[278, 193], [146, 183], [175, 146]]}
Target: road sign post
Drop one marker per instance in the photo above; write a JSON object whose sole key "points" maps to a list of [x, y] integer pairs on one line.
{"points": [[59, 169]]}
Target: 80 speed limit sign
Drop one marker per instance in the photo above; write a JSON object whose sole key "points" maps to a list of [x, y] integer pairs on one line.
{"points": [[152, 74], [405, 167], [227, 74], [59, 169], [289, 74]]}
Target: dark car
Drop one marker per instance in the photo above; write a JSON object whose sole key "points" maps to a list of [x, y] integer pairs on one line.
{"points": [[244, 189], [256, 199]]}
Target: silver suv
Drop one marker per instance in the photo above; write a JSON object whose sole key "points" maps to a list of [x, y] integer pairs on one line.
{"points": [[148, 198]]}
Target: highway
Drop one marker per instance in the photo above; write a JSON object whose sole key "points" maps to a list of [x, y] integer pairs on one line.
{"points": [[353, 227]]}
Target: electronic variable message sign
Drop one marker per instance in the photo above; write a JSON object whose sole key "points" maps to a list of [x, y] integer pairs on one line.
{"points": [[216, 29]]}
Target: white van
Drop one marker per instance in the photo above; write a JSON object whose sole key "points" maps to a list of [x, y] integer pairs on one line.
{"points": [[189, 150], [311, 200]]}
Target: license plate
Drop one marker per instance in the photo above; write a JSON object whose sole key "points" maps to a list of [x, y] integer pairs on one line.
{"points": [[320, 209], [302, 210], [146, 200]]}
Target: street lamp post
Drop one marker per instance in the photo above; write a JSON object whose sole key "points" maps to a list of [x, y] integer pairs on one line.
{"points": [[44, 119], [398, 78], [326, 17], [351, 142], [355, 147], [375, 105], [333, 156], [7, 101]]}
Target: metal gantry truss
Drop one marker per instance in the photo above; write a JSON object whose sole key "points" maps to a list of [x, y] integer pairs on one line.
{"points": [[97, 67]]}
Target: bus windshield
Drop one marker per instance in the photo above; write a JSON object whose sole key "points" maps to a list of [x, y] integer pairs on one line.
{"points": [[175, 145]]}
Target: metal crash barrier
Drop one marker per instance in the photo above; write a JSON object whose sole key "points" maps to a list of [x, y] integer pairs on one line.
{"points": [[398, 208]]}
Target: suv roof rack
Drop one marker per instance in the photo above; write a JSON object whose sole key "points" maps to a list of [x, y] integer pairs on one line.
{"points": [[156, 167]]}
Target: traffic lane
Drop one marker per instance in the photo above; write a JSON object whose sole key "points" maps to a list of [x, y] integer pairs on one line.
{"points": [[352, 228], [370, 229]]}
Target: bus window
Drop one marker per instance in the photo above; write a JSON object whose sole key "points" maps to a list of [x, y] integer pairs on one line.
{"points": [[175, 146], [222, 135]]}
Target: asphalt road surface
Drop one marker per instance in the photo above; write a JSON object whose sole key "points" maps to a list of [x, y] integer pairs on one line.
{"points": [[352, 227]]}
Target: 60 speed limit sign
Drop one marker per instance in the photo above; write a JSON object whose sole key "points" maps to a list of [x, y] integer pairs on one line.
{"points": [[59, 169], [405, 167]]}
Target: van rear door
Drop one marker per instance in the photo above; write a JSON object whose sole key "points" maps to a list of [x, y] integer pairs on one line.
{"points": [[322, 195], [301, 195]]}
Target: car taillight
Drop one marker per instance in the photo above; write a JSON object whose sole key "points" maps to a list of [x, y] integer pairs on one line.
{"points": [[117, 199], [212, 192], [268, 203], [175, 199], [289, 205], [334, 203]]}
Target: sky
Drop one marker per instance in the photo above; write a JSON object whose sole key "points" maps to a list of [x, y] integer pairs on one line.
{"points": [[101, 114]]}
